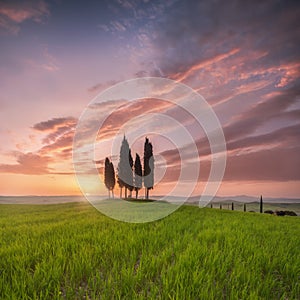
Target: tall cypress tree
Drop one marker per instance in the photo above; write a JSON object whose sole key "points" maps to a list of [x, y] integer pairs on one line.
{"points": [[125, 177], [106, 175], [138, 173], [129, 182], [148, 167], [109, 176], [261, 205], [112, 178]]}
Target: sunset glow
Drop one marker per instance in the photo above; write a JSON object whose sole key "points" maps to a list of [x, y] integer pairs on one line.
{"points": [[243, 58]]}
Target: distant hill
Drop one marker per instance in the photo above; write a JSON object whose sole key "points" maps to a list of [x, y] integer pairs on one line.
{"points": [[239, 198]]}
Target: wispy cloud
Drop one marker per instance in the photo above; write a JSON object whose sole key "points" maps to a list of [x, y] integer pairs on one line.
{"points": [[102, 86], [27, 163], [278, 164], [260, 113], [129, 112], [54, 124], [248, 150], [57, 138], [12, 14], [274, 165], [203, 64]]}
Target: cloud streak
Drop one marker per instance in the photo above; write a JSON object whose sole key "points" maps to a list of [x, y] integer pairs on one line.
{"points": [[54, 123], [12, 14], [28, 163]]}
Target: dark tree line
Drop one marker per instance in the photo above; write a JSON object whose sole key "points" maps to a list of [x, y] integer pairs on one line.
{"points": [[261, 206], [130, 174]]}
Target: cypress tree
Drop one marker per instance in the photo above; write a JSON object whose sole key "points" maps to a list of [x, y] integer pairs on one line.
{"points": [[109, 176], [106, 175], [112, 178], [148, 167], [129, 182], [245, 207], [232, 206], [124, 168], [261, 205], [138, 173]]}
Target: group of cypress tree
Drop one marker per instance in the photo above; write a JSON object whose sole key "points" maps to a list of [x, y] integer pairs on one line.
{"points": [[131, 175]]}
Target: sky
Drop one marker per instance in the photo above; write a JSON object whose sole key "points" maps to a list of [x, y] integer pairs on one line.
{"points": [[243, 57]]}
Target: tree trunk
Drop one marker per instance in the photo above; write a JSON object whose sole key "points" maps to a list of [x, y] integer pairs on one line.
{"points": [[113, 195], [147, 193], [121, 193], [125, 193], [136, 193], [108, 194]]}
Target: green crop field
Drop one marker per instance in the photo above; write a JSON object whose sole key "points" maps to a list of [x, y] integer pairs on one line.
{"points": [[71, 251]]}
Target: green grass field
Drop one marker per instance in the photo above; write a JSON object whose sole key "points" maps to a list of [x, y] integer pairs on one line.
{"points": [[71, 251]]}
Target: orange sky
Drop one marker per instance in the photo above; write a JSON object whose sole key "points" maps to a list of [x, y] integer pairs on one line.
{"points": [[243, 59]]}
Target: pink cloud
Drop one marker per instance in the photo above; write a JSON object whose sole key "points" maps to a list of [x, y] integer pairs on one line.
{"points": [[60, 144], [102, 86], [204, 64], [20, 12], [27, 163], [277, 164], [127, 112], [290, 73], [237, 132], [12, 14], [55, 123], [58, 141]]}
